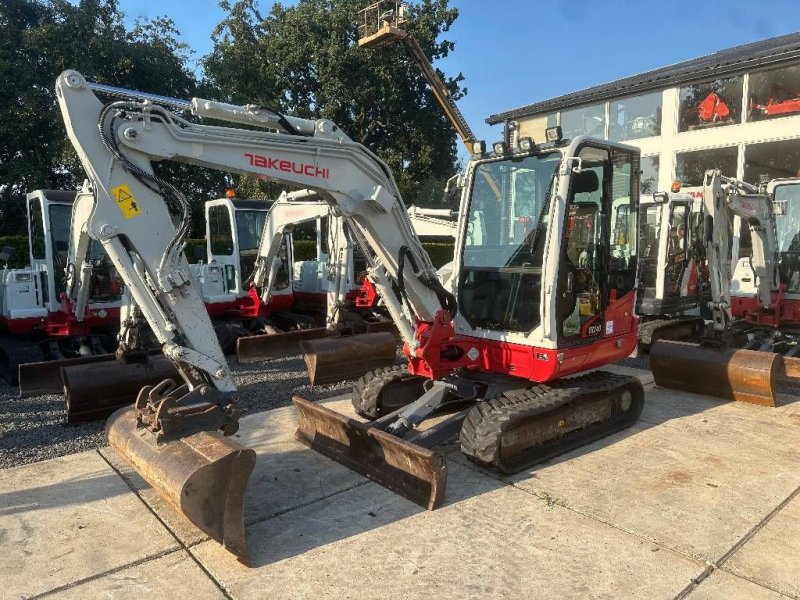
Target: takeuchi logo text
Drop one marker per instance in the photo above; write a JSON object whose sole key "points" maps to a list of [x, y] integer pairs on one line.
{"points": [[287, 166]]}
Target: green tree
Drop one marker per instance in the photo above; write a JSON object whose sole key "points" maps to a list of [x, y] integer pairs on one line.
{"points": [[304, 60], [40, 39]]}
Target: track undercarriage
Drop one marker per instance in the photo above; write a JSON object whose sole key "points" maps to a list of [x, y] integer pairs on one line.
{"points": [[498, 422]]}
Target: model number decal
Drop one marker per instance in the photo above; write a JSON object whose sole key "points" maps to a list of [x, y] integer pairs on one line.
{"points": [[287, 166], [126, 203]]}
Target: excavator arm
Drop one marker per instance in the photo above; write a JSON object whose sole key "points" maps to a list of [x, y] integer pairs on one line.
{"points": [[171, 434], [755, 209]]}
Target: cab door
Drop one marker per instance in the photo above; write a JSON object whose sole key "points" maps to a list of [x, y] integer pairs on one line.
{"points": [[599, 247]]}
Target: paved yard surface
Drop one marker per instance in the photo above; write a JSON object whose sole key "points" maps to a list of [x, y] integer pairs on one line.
{"points": [[700, 500]]}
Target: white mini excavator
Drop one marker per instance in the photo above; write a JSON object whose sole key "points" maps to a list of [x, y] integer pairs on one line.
{"points": [[544, 294]]}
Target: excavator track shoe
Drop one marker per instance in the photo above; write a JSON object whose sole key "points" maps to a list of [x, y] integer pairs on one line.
{"points": [[381, 391], [743, 375], [347, 357], [414, 472], [203, 476], [527, 427], [44, 377], [95, 390]]}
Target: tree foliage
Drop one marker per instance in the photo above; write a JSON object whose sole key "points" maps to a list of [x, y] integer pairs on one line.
{"points": [[304, 60], [42, 38]]}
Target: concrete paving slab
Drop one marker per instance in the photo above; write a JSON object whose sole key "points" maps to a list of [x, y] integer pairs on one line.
{"points": [[772, 556], [697, 485], [724, 586], [70, 518], [183, 529], [489, 541], [175, 575]]}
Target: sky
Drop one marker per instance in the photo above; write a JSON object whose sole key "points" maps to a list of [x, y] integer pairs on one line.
{"points": [[516, 52]]}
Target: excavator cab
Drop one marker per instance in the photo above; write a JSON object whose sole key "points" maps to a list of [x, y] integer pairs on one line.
{"points": [[546, 291]]}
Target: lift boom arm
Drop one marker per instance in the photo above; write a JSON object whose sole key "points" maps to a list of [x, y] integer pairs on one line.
{"points": [[116, 143]]}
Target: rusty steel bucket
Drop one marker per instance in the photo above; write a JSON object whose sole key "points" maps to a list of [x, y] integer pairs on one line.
{"points": [[743, 375], [94, 391], [203, 476], [414, 472], [44, 377], [347, 357]]}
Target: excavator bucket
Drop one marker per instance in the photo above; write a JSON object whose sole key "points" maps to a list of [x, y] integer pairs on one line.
{"points": [[743, 375], [37, 378], [94, 391], [203, 476], [256, 348], [417, 473], [347, 357]]}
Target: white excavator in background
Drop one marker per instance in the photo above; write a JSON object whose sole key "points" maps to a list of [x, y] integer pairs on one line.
{"points": [[41, 328], [529, 306], [671, 267], [247, 290], [727, 363]]}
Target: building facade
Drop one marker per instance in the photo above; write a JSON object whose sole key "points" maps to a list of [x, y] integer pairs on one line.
{"points": [[737, 110]]}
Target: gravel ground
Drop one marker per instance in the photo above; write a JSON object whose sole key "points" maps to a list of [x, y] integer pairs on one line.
{"points": [[32, 429]]}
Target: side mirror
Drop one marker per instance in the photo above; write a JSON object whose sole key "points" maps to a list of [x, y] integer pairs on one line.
{"points": [[570, 282]]}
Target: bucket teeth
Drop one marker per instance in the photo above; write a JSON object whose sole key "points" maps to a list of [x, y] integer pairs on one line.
{"points": [[417, 473], [203, 476], [743, 375]]}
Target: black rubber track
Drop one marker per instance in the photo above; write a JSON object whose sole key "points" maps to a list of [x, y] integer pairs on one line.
{"points": [[486, 422], [368, 390]]}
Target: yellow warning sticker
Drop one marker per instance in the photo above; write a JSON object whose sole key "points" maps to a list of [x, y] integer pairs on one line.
{"points": [[127, 204]]}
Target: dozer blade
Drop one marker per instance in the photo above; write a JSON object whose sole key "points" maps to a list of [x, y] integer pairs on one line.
{"points": [[255, 348], [417, 473], [743, 375], [347, 357], [44, 377], [203, 476], [94, 391]]}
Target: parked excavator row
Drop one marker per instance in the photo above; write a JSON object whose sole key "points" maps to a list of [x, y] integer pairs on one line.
{"points": [[232, 230], [531, 304], [727, 362]]}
